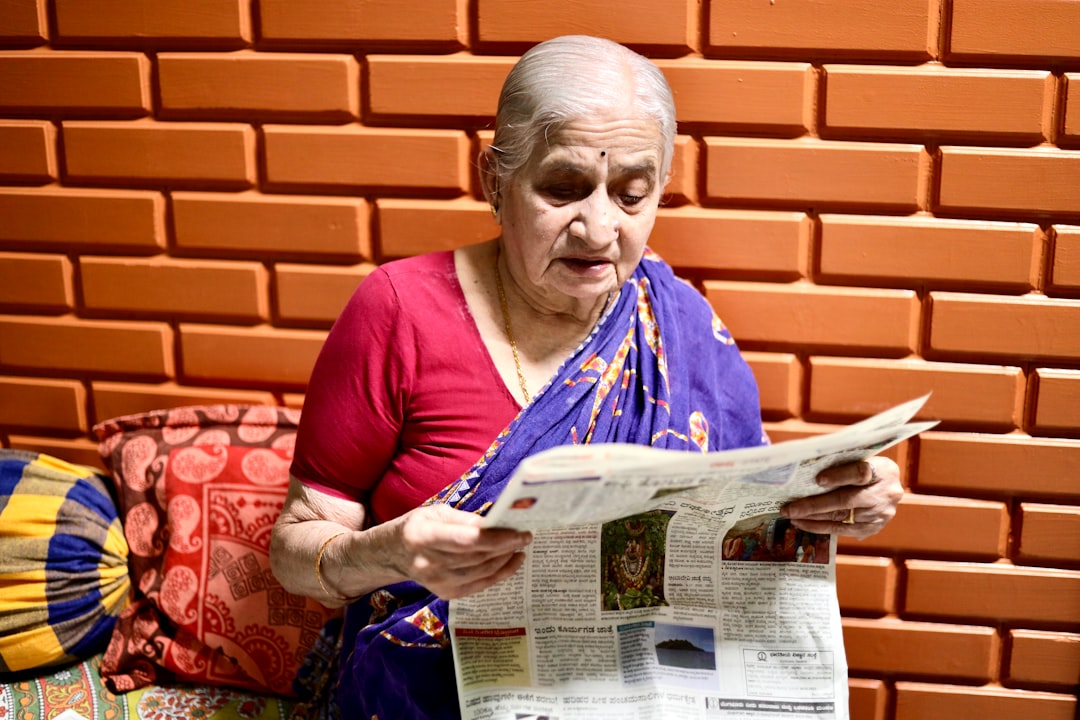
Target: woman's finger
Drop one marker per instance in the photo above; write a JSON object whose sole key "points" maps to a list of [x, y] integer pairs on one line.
{"points": [[449, 582], [830, 506], [507, 566], [443, 530], [863, 473], [860, 529]]}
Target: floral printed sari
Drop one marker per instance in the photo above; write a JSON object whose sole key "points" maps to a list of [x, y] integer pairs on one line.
{"points": [[659, 369]]}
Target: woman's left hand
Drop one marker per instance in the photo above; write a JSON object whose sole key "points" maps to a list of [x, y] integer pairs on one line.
{"points": [[863, 498]]}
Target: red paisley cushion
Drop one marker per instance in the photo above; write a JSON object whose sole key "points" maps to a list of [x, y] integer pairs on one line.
{"points": [[200, 489]]}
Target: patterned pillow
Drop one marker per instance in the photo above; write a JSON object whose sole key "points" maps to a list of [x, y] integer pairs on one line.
{"points": [[63, 561], [199, 490]]}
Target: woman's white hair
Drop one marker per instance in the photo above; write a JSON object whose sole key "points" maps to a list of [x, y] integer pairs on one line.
{"points": [[569, 78]]}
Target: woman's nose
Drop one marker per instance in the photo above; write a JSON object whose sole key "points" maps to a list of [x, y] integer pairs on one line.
{"points": [[598, 219]]}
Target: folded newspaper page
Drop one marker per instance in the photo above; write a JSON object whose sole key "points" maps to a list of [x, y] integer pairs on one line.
{"points": [[665, 585]]}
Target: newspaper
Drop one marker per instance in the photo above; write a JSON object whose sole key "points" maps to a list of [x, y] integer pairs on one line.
{"points": [[665, 585]]}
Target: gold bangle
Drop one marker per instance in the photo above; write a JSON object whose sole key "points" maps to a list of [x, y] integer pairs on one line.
{"points": [[318, 567]]}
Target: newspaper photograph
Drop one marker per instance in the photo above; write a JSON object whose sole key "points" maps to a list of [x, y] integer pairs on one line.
{"points": [[665, 585]]}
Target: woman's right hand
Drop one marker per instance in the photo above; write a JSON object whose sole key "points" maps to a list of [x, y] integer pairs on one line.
{"points": [[447, 551], [320, 549]]}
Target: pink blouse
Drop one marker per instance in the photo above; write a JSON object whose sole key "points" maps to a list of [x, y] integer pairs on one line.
{"points": [[404, 397]]}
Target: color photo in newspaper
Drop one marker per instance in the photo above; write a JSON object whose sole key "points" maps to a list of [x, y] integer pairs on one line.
{"points": [[665, 585]]}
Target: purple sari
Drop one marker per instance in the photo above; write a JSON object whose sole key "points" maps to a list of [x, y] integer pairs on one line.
{"points": [[660, 369]]}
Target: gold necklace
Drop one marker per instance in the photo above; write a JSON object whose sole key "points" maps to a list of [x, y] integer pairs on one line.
{"points": [[510, 333]]}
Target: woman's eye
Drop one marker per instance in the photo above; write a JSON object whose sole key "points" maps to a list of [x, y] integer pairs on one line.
{"points": [[633, 193], [562, 192]]}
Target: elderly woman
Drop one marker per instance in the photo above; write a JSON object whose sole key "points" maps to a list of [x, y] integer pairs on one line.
{"points": [[445, 370]]}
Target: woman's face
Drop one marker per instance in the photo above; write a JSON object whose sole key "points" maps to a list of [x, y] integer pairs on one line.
{"points": [[576, 217]]}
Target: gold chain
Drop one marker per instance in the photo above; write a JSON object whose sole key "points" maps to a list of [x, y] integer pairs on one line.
{"points": [[510, 333]]}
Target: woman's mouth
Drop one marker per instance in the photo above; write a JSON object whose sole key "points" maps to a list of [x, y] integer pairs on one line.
{"points": [[585, 264]]}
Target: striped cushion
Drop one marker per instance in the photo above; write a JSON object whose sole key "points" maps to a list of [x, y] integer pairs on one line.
{"points": [[63, 561]]}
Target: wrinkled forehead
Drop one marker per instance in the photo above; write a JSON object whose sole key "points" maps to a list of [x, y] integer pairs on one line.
{"points": [[612, 138]]}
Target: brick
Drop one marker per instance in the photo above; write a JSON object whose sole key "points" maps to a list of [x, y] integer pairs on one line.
{"points": [[176, 288], [997, 465], [1035, 29], [79, 451], [957, 652], [715, 241], [1009, 181], [77, 83], [408, 227], [265, 85], [935, 101], [23, 21], [760, 97], [51, 405], [363, 22], [992, 592], [1071, 127], [929, 524], [804, 317], [848, 389], [246, 356], [779, 379], [354, 156], [1026, 327], [940, 253], [1057, 401], [35, 281], [869, 28], [459, 85], [683, 184], [251, 224], [77, 218], [103, 347], [27, 151], [116, 399], [637, 22], [223, 23], [925, 701], [1049, 534], [866, 585], [160, 153], [809, 172], [315, 293], [1044, 658], [1065, 272], [867, 699]]}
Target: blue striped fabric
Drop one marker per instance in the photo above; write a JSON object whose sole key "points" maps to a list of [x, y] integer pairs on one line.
{"points": [[63, 562]]}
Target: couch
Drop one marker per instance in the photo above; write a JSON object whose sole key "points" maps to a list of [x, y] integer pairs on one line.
{"points": [[145, 591]]}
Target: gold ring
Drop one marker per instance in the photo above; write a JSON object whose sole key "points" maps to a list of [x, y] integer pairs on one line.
{"points": [[850, 519]]}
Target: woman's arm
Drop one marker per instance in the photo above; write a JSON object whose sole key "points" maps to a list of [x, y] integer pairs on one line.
{"points": [[319, 548]]}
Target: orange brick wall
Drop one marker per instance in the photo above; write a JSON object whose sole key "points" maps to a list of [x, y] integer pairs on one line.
{"points": [[880, 197]]}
